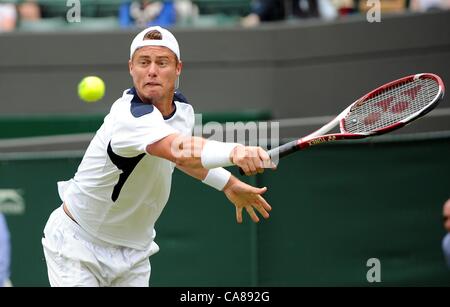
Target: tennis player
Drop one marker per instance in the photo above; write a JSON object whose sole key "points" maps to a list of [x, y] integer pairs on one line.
{"points": [[103, 234]]}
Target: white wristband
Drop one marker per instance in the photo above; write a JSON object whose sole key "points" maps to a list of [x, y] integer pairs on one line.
{"points": [[217, 178], [217, 154]]}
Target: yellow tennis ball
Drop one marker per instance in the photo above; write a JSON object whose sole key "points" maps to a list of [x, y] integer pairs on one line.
{"points": [[91, 88]]}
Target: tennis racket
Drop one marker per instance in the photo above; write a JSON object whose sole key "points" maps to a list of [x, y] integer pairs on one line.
{"points": [[385, 109]]}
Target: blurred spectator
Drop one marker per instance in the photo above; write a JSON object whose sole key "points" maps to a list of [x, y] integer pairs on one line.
{"points": [[8, 17], [429, 5], [345, 7], [29, 10], [275, 10], [446, 240], [386, 6], [145, 13], [186, 11], [5, 252]]}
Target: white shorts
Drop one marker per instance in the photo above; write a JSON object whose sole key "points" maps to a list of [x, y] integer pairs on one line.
{"points": [[75, 258]]}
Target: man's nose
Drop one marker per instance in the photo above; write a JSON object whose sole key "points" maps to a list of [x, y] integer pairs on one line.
{"points": [[152, 69]]}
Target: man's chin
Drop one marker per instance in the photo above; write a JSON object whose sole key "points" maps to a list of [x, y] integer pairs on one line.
{"points": [[151, 97]]}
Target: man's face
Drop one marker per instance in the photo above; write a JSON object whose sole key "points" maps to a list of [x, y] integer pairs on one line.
{"points": [[154, 70], [446, 215]]}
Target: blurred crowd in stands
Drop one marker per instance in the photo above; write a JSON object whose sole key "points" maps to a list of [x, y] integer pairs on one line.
{"points": [[272, 10], [35, 14]]}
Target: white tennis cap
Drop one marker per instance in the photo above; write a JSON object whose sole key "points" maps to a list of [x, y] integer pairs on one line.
{"points": [[167, 40]]}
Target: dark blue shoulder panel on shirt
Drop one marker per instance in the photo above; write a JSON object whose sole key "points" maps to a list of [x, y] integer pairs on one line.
{"points": [[177, 96], [139, 108], [180, 97]]}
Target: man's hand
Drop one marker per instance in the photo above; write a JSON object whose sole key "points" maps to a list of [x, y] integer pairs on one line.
{"points": [[245, 196], [250, 159]]}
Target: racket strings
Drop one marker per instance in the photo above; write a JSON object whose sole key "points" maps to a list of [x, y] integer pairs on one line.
{"points": [[391, 105]]}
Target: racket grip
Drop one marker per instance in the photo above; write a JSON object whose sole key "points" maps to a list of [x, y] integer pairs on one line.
{"points": [[282, 151]]}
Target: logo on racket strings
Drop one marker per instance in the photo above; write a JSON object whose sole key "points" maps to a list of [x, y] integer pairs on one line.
{"points": [[391, 105]]}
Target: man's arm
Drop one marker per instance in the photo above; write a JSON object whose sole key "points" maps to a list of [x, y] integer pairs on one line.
{"points": [[197, 152], [240, 194]]}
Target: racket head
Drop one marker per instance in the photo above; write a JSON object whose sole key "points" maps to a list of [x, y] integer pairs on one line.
{"points": [[393, 105]]}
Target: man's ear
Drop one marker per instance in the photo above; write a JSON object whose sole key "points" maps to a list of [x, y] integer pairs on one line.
{"points": [[179, 68], [130, 67]]}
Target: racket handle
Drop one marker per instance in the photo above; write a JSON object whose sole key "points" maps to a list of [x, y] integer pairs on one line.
{"points": [[282, 151]]}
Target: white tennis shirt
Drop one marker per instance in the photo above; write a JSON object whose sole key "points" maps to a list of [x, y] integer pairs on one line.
{"points": [[119, 190]]}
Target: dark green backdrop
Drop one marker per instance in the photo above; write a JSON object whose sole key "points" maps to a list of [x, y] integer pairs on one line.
{"points": [[334, 207]]}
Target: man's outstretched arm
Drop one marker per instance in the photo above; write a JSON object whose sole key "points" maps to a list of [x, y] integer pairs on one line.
{"points": [[197, 152]]}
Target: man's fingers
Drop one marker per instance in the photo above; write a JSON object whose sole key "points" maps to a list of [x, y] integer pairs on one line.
{"points": [[245, 170], [262, 211], [255, 161], [252, 160], [258, 191], [252, 214], [252, 165], [250, 172], [266, 160], [239, 215], [263, 159], [264, 203], [263, 154], [259, 165], [244, 158]]}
